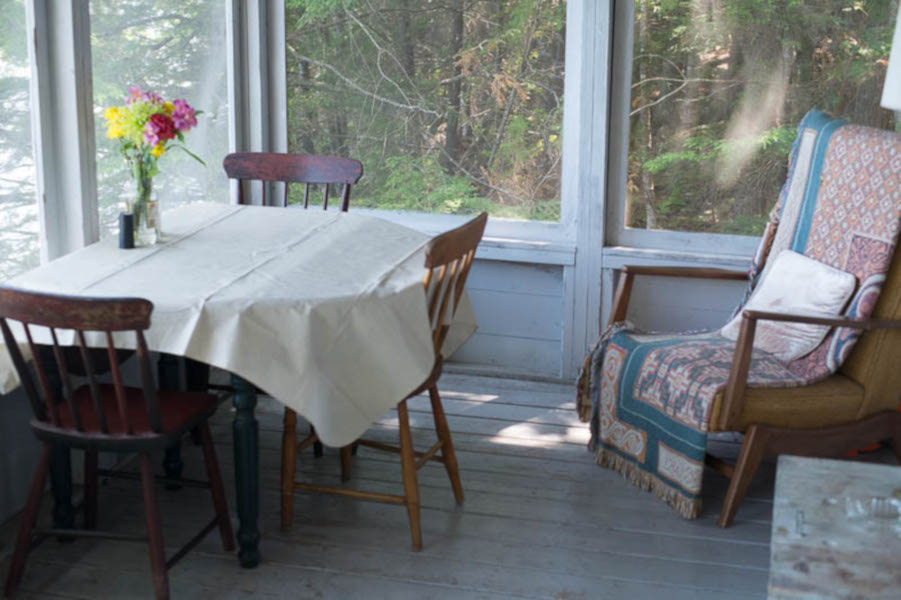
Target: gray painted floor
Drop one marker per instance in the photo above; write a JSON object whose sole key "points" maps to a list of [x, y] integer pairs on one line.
{"points": [[540, 520]]}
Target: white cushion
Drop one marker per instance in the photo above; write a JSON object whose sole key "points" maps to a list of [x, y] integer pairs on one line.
{"points": [[798, 285]]}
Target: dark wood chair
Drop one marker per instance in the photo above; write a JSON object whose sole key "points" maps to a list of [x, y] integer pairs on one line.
{"points": [[448, 260], [294, 168], [98, 417]]}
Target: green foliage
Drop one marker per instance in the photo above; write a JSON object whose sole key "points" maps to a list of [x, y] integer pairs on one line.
{"points": [[442, 123], [420, 184], [718, 91]]}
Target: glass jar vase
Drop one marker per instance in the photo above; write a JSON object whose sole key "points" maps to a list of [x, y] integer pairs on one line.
{"points": [[146, 210]]}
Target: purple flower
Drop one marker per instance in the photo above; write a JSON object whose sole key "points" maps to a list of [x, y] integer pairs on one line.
{"points": [[183, 115]]}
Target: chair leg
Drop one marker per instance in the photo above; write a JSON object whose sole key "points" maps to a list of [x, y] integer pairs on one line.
{"points": [[408, 464], [447, 444], [90, 489], [216, 488], [752, 451], [346, 462], [318, 448], [289, 467], [154, 531], [896, 442], [32, 507]]}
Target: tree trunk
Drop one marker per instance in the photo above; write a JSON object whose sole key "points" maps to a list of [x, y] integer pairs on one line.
{"points": [[408, 54], [647, 180], [452, 132]]}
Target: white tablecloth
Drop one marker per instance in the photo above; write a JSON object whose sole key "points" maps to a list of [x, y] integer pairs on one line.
{"points": [[325, 311]]}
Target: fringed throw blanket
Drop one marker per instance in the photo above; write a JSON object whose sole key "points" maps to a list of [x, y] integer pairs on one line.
{"points": [[648, 397]]}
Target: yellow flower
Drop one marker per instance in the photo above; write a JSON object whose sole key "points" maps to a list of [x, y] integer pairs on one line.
{"points": [[112, 113], [168, 107], [158, 150], [114, 131]]}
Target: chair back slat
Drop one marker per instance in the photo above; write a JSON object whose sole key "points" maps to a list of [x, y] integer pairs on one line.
{"points": [[448, 260], [54, 312], [39, 410], [295, 168], [87, 360], [345, 197], [66, 381], [46, 389], [121, 402], [150, 398]]}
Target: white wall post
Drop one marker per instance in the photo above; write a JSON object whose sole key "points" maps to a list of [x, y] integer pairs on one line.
{"points": [[62, 121], [585, 123]]}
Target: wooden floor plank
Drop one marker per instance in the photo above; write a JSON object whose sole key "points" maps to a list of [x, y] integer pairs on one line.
{"points": [[540, 520]]}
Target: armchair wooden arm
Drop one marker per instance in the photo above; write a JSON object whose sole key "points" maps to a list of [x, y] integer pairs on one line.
{"points": [[733, 397], [627, 277]]}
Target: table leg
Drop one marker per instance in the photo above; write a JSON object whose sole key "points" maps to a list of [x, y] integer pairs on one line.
{"points": [[247, 471], [173, 465], [197, 379], [61, 457]]}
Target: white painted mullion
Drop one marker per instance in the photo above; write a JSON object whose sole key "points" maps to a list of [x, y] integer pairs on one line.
{"points": [[257, 81], [276, 84], [589, 23], [62, 121]]}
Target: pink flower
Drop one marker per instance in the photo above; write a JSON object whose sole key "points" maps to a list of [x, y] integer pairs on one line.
{"points": [[136, 95], [183, 115], [158, 129]]}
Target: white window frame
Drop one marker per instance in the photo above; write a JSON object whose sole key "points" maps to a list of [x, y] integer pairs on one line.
{"points": [[560, 234], [64, 138], [692, 246]]}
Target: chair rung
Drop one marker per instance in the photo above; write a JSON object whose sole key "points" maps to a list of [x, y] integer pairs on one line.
{"points": [[379, 446], [430, 454], [307, 442], [90, 533], [719, 465], [324, 489], [160, 478], [192, 542], [396, 450]]}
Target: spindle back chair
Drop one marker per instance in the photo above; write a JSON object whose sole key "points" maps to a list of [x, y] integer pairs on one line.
{"points": [[294, 168], [448, 260], [100, 417]]}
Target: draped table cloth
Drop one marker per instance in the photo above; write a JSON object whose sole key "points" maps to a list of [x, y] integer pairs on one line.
{"points": [[325, 311]]}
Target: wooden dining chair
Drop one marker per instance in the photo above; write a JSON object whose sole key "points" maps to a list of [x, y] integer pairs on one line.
{"points": [[307, 169], [293, 168], [448, 260], [97, 417]]}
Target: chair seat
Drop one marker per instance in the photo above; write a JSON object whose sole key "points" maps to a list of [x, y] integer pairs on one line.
{"points": [[179, 412], [832, 401]]}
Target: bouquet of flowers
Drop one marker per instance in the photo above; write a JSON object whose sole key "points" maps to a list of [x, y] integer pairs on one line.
{"points": [[146, 127]]}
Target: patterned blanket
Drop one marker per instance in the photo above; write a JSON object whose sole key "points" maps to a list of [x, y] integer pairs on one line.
{"points": [[648, 397]]}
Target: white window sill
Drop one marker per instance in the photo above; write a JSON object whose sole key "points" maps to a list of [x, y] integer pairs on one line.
{"points": [[505, 240], [615, 257]]}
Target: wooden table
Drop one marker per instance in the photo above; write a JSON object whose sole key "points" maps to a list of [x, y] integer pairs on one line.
{"points": [[817, 550], [326, 311]]}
